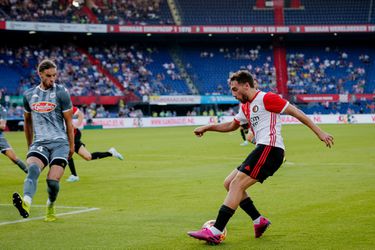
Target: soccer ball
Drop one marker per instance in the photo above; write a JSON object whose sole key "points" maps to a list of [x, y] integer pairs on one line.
{"points": [[211, 223]]}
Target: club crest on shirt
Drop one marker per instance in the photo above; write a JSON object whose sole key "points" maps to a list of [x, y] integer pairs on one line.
{"points": [[255, 108], [43, 107]]}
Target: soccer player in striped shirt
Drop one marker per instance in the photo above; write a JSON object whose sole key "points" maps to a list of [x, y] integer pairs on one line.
{"points": [[262, 111]]}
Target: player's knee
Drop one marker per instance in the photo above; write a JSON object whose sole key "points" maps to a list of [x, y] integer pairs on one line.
{"points": [[227, 182], [59, 162], [33, 171], [237, 184], [87, 157]]}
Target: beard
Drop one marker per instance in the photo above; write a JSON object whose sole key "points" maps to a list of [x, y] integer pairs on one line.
{"points": [[244, 99], [47, 84]]}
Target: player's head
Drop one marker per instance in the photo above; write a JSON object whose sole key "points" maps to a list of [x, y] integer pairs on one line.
{"points": [[47, 71], [240, 83]]}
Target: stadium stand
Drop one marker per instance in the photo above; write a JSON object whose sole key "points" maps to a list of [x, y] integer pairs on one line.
{"points": [[142, 70], [110, 12], [76, 73], [241, 12], [210, 65], [132, 12], [118, 68], [42, 11], [330, 70], [320, 12]]}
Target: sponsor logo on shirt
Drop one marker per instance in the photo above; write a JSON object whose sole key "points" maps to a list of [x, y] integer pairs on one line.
{"points": [[43, 107]]}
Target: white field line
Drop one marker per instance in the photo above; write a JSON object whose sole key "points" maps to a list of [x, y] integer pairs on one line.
{"points": [[82, 210]]}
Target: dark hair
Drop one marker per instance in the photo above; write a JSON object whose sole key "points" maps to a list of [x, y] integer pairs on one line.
{"points": [[242, 77], [46, 64]]}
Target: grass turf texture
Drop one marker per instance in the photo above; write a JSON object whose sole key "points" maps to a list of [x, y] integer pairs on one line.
{"points": [[171, 182]]}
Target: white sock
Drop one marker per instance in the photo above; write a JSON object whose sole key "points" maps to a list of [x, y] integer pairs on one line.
{"points": [[49, 203], [215, 231], [257, 220], [27, 199]]}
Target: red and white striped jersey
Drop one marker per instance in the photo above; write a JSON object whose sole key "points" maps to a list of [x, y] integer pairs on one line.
{"points": [[263, 115], [75, 111]]}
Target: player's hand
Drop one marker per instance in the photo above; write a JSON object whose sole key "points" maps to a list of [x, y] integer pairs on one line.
{"points": [[71, 152], [326, 138], [199, 131]]}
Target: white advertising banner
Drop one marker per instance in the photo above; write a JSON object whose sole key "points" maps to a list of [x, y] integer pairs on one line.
{"points": [[175, 99], [202, 120], [56, 27]]}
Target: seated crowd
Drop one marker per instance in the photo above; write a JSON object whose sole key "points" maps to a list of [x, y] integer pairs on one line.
{"points": [[149, 70], [75, 71], [140, 12], [41, 11], [328, 72]]}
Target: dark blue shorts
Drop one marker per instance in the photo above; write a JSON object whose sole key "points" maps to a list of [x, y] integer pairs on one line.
{"points": [[4, 145]]}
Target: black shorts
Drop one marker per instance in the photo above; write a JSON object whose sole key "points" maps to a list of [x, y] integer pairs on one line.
{"points": [[77, 141], [262, 162]]}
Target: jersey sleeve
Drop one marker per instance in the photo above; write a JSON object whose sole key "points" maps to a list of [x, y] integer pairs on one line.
{"points": [[274, 103], [240, 118], [65, 101], [75, 110], [26, 106]]}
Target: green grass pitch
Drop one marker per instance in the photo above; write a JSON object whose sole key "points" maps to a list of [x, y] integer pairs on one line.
{"points": [[172, 182]]}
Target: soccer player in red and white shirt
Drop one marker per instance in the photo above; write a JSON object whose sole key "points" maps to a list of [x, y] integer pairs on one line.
{"points": [[81, 150], [262, 111]]}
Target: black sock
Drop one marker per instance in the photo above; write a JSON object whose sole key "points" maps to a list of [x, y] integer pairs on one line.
{"points": [[99, 155], [248, 206], [72, 167], [243, 135], [225, 213]]}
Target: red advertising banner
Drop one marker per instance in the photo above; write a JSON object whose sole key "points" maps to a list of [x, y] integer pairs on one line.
{"points": [[175, 29], [335, 98], [100, 100], [318, 98]]}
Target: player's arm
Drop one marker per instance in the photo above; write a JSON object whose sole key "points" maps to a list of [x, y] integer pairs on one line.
{"points": [[67, 110], [28, 128], [68, 117], [323, 136], [250, 137], [80, 117], [222, 127]]}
